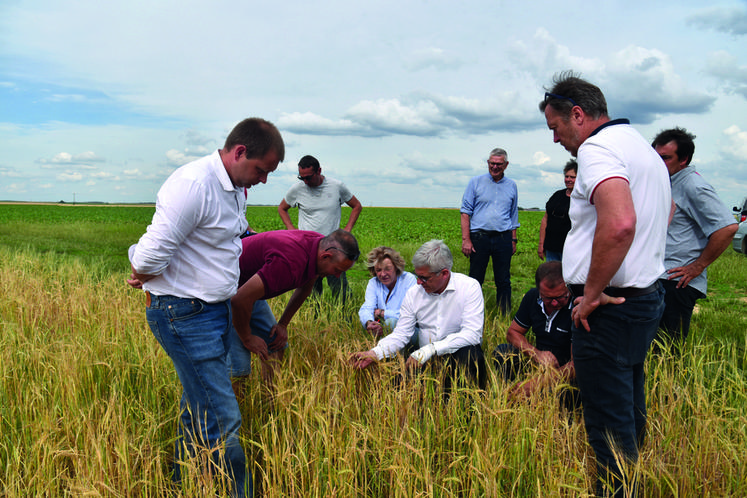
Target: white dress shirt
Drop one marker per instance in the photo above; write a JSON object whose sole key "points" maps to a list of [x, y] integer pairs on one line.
{"points": [[193, 243], [449, 321]]}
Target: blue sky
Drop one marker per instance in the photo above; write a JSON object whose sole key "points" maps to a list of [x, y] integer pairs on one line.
{"points": [[400, 100]]}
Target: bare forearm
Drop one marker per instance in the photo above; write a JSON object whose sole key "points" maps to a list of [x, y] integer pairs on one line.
{"points": [[354, 214], [285, 218], [543, 229], [294, 303], [464, 222], [717, 244]]}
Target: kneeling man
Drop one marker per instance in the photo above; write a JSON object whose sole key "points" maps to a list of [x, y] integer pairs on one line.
{"points": [[546, 310]]}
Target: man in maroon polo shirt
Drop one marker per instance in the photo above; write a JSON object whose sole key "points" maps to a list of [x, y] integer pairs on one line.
{"points": [[273, 263]]}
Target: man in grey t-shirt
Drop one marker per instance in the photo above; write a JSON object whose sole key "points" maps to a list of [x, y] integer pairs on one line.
{"points": [[701, 229], [318, 199]]}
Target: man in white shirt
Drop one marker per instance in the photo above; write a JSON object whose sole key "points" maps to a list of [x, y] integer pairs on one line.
{"points": [[318, 199], [447, 308], [612, 259], [188, 264]]}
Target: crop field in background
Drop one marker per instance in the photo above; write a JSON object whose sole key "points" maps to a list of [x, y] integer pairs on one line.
{"points": [[88, 400]]}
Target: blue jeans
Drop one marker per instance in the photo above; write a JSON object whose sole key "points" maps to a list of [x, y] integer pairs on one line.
{"points": [[609, 364], [195, 335], [553, 255], [497, 245], [240, 358]]}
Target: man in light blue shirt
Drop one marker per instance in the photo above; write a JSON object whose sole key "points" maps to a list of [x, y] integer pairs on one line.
{"points": [[489, 219], [701, 229]]}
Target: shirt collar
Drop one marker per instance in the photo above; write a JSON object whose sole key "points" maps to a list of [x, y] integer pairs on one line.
{"points": [[610, 123], [219, 170]]}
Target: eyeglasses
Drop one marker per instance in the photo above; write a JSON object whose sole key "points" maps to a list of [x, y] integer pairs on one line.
{"points": [[557, 299], [554, 96], [496, 165], [351, 257], [423, 279], [306, 178]]}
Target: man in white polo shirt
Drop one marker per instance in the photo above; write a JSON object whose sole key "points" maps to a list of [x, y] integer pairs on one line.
{"points": [[612, 260]]}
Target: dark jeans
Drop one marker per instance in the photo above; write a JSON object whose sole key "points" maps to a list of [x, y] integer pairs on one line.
{"points": [[609, 363], [678, 311], [195, 335], [497, 245], [470, 360], [553, 255], [336, 285]]}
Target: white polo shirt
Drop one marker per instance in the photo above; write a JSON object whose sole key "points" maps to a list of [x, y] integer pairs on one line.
{"points": [[617, 150]]}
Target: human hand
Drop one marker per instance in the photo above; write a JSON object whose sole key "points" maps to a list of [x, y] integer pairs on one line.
{"points": [[685, 273], [136, 279], [413, 364], [541, 251], [467, 247], [547, 359], [583, 307], [279, 336], [375, 328], [134, 282], [256, 345], [362, 359]]}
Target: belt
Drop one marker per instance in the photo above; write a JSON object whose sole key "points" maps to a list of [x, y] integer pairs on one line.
{"points": [[147, 299], [578, 290], [491, 232]]}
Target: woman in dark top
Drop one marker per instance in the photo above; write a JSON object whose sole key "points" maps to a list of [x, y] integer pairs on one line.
{"points": [[556, 223]]}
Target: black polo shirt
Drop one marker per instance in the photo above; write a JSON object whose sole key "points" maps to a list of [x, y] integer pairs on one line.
{"points": [[552, 334]]}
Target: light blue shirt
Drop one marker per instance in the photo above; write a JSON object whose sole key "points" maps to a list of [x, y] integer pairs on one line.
{"points": [[699, 213], [376, 297], [491, 205]]}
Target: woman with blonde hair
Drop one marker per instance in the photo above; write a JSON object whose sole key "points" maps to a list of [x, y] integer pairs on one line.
{"points": [[385, 290]]}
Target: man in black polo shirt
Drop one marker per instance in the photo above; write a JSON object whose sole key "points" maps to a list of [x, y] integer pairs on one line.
{"points": [[546, 310]]}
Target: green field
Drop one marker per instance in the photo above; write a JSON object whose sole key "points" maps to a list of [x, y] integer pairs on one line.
{"points": [[88, 400]]}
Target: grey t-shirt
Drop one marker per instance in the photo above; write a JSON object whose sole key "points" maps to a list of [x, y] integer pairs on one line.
{"points": [[319, 207]]}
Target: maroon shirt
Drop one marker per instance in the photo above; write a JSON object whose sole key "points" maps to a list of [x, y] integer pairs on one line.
{"points": [[283, 259]]}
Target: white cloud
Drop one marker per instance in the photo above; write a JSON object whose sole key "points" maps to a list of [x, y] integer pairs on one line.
{"points": [[735, 146], [70, 176], [731, 75], [307, 122], [16, 188], [539, 158], [542, 55], [178, 158], [83, 159], [727, 19], [433, 58]]}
